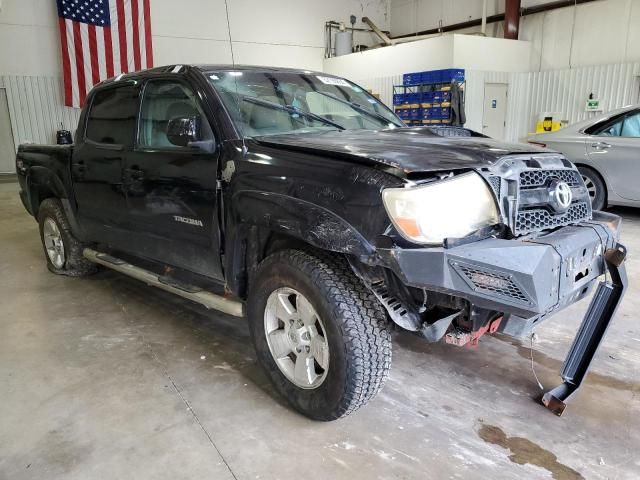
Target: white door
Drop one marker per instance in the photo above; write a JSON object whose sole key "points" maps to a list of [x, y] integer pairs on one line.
{"points": [[495, 110], [7, 150]]}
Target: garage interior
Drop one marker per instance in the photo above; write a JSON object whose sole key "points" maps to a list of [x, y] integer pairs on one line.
{"points": [[106, 377]]}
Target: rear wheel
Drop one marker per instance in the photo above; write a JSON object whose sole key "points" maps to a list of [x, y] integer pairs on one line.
{"points": [[595, 186], [62, 250], [319, 333]]}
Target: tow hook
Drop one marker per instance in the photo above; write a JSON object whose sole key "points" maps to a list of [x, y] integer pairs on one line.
{"points": [[461, 338], [590, 334]]}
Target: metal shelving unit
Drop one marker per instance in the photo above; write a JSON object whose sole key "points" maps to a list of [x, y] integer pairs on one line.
{"points": [[427, 102]]}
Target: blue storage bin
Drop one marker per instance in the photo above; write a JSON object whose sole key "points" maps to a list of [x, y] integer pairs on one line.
{"points": [[411, 78], [427, 97], [444, 112], [415, 113], [451, 74], [398, 98], [414, 97]]}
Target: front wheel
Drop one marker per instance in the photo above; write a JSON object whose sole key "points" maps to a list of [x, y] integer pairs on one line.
{"points": [[320, 334]]}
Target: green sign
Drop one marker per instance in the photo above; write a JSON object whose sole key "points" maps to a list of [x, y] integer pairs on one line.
{"points": [[593, 105]]}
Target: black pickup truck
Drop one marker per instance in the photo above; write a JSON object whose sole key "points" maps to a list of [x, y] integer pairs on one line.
{"points": [[300, 200]]}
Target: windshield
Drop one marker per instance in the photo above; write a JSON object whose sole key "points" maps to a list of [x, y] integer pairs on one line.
{"points": [[271, 103]]}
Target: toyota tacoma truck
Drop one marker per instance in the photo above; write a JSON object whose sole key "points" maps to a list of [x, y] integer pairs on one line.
{"points": [[300, 201]]}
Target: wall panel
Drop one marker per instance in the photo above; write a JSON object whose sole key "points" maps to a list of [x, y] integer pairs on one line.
{"points": [[35, 107], [566, 91]]}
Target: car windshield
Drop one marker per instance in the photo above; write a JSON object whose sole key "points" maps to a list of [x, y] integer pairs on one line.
{"points": [[272, 103]]}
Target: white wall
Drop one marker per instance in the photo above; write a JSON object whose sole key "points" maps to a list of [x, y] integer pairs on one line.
{"points": [[606, 31], [445, 51], [266, 32]]}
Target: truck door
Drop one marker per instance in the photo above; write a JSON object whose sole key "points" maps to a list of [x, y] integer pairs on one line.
{"points": [[171, 189], [97, 162]]}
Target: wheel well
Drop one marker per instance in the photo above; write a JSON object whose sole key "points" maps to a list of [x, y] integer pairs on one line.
{"points": [[39, 194], [590, 168], [253, 249], [278, 241]]}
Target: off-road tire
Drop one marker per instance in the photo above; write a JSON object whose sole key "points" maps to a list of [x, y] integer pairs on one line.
{"points": [[75, 264], [600, 200], [357, 331]]}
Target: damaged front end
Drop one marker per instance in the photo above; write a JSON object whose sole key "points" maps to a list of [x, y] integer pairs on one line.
{"points": [[546, 254]]}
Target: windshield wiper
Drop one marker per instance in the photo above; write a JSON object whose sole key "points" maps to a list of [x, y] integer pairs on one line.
{"points": [[292, 109], [359, 108]]}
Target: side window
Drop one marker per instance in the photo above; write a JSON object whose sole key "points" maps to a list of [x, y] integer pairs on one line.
{"points": [[112, 117], [163, 101], [611, 130], [631, 125]]}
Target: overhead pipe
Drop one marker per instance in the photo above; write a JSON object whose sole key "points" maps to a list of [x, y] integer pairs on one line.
{"points": [[511, 19], [490, 19], [483, 29], [383, 36]]}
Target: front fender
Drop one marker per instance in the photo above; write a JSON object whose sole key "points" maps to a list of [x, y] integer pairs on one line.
{"points": [[310, 223]]}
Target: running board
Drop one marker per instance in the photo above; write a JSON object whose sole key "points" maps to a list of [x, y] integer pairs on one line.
{"points": [[207, 299]]}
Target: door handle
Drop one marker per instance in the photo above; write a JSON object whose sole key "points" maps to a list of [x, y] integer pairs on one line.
{"points": [[134, 173], [78, 169], [601, 145]]}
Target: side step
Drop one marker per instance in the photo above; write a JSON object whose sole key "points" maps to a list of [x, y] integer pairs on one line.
{"points": [[208, 299]]}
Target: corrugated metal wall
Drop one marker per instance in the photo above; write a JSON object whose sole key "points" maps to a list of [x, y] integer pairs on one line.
{"points": [[35, 106], [566, 92], [529, 94]]}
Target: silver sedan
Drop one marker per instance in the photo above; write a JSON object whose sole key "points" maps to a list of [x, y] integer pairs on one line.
{"points": [[606, 150]]}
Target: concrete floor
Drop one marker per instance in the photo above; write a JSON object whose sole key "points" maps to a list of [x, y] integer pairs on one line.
{"points": [[104, 377]]}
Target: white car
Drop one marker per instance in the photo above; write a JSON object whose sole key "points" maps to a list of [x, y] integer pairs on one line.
{"points": [[606, 150]]}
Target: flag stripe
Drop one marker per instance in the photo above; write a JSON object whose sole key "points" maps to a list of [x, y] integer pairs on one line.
{"points": [[86, 65], [66, 70], [147, 33], [122, 33], [93, 52], [79, 64], [102, 60], [108, 52], [73, 71], [136, 33], [129, 26]]}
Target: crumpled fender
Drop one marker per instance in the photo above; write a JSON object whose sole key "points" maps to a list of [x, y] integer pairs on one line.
{"points": [[298, 218]]}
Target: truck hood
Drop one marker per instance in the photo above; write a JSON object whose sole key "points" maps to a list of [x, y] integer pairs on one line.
{"points": [[410, 150]]}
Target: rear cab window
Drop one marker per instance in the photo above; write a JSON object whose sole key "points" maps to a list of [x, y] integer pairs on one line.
{"points": [[112, 116]]}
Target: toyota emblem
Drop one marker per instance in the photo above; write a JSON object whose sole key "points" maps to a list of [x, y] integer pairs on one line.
{"points": [[561, 194]]}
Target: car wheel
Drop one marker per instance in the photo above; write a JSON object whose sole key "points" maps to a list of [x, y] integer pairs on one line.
{"points": [[62, 250], [320, 334], [595, 186]]}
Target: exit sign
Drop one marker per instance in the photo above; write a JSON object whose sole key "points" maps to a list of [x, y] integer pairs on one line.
{"points": [[593, 105]]}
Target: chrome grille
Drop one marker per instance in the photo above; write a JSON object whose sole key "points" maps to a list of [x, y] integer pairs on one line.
{"points": [[538, 178], [493, 283], [495, 184], [538, 219]]}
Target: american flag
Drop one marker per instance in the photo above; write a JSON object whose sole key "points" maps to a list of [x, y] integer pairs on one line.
{"points": [[100, 39]]}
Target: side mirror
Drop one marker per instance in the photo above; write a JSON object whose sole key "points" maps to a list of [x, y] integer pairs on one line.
{"points": [[181, 131]]}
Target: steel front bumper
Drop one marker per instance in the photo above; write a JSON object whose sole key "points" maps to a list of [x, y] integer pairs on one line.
{"points": [[530, 279], [525, 278]]}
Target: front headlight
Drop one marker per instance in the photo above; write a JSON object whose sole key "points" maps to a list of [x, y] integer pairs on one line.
{"points": [[450, 208]]}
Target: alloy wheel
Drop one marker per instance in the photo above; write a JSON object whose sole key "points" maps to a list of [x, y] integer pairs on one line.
{"points": [[53, 243], [296, 338], [591, 187]]}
